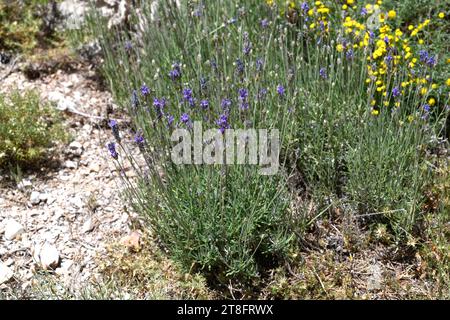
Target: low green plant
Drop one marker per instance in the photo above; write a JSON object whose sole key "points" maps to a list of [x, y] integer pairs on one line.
{"points": [[28, 129], [22, 25]]}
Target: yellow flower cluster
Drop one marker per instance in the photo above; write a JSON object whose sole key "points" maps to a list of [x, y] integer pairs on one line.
{"points": [[319, 15], [416, 30], [388, 49]]}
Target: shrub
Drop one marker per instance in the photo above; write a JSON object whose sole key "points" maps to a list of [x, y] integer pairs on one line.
{"points": [[23, 26], [352, 107], [28, 129]]}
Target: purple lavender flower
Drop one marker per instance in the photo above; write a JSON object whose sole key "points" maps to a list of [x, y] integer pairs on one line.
{"points": [[139, 140], [247, 48], [305, 7], [240, 67], [159, 103], [349, 54], [259, 64], [363, 12], [389, 59], [185, 118], [323, 73], [281, 91], [170, 119], [222, 122], [191, 102], [145, 91], [243, 94], [244, 105], [187, 94], [204, 104], [386, 40], [396, 92], [225, 104], [197, 12], [431, 62], [322, 25], [264, 23], [426, 109], [128, 45], [175, 73], [112, 150], [115, 129], [423, 54], [232, 20]]}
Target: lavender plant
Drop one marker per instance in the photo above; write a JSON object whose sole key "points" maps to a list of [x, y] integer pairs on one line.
{"points": [[355, 122]]}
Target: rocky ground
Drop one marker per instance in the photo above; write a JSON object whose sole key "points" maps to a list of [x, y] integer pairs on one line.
{"points": [[62, 218]]}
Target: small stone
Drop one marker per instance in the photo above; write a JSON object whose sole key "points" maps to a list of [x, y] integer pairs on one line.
{"points": [[24, 184], [71, 164], [35, 197], [375, 279], [55, 96], [65, 104], [88, 225], [48, 256], [77, 202], [5, 273], [13, 229], [43, 197], [76, 148]]}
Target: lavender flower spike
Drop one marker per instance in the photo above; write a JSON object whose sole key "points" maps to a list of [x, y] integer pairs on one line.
{"points": [[112, 150], [115, 129]]}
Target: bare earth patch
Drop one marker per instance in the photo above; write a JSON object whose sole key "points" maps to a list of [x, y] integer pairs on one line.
{"points": [[73, 206]]}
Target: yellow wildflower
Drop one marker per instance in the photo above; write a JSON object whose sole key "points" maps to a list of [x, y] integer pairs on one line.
{"points": [[441, 15], [392, 14], [432, 101]]}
